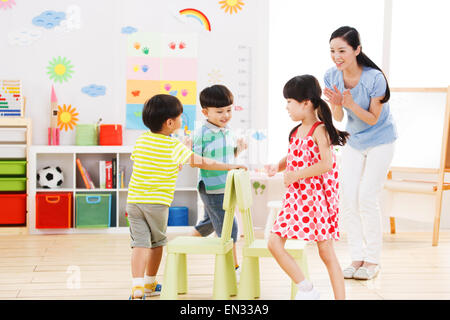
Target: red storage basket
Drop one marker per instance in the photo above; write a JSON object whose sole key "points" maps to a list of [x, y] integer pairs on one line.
{"points": [[53, 210], [13, 208], [110, 135]]}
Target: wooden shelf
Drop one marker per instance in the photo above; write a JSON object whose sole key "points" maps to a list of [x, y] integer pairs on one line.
{"points": [[15, 140]]}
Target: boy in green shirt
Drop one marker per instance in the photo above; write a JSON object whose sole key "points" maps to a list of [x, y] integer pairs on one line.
{"points": [[216, 141]]}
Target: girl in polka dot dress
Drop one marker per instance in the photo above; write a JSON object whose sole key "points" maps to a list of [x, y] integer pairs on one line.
{"points": [[310, 205]]}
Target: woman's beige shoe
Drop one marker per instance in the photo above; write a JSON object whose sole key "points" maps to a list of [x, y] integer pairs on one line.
{"points": [[349, 272], [366, 273]]}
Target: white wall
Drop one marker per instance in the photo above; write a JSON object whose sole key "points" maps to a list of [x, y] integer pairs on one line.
{"points": [[97, 49]]}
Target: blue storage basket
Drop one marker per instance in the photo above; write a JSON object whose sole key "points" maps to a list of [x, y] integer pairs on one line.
{"points": [[178, 216]]}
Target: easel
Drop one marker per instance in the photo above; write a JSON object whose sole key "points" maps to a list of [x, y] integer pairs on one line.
{"points": [[429, 193]]}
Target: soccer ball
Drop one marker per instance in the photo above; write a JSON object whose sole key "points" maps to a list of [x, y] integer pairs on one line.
{"points": [[50, 177]]}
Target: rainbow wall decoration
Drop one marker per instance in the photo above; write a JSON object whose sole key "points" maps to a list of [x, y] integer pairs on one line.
{"points": [[198, 15]]}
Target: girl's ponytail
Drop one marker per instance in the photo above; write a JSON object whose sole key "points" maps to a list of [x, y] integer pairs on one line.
{"points": [[337, 137]]}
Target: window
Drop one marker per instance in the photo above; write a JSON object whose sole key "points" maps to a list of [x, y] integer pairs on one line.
{"points": [[420, 44], [298, 44]]}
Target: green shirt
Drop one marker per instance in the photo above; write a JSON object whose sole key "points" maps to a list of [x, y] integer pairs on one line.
{"points": [[211, 141]]}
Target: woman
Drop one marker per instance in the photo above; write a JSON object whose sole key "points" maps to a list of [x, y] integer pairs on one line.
{"points": [[358, 85]]}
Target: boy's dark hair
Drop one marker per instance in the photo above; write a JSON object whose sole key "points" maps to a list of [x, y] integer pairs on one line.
{"points": [[159, 109], [306, 87], [216, 96]]}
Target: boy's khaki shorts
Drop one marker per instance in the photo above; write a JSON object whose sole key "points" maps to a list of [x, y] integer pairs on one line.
{"points": [[148, 224]]}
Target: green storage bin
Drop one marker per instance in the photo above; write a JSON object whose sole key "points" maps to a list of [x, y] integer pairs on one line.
{"points": [[13, 183], [93, 210], [86, 135], [13, 167]]}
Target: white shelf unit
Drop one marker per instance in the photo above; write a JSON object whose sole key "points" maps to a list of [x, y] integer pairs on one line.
{"points": [[65, 157], [15, 141]]}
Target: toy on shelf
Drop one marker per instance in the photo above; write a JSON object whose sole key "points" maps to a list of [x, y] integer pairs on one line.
{"points": [[110, 135], [50, 177], [53, 131], [12, 103]]}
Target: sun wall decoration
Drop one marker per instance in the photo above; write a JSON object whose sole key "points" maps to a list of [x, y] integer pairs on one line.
{"points": [[60, 69], [67, 117], [7, 4], [231, 6]]}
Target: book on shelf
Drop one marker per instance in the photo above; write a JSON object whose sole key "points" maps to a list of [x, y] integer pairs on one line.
{"points": [[110, 177], [108, 170], [114, 173], [89, 184], [121, 177], [102, 173]]}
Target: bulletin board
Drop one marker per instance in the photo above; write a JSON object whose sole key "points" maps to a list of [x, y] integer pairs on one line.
{"points": [[106, 57]]}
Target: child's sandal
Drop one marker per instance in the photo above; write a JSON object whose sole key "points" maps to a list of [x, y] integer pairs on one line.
{"points": [[134, 289], [153, 289]]}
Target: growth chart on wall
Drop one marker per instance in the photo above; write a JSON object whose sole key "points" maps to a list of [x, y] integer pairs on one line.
{"points": [[161, 63]]}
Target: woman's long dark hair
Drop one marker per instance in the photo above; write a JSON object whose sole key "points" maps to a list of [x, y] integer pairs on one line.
{"points": [[351, 36], [306, 87]]}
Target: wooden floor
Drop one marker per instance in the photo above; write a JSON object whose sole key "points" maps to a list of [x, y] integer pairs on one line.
{"points": [[49, 267]]}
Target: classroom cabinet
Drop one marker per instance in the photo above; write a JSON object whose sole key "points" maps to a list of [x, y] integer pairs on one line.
{"points": [[15, 139], [113, 219]]}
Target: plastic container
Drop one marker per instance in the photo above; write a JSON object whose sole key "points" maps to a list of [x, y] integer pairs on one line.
{"points": [[13, 208], [110, 135], [13, 134], [178, 216], [93, 210], [13, 151], [13, 167], [53, 210], [86, 135], [13, 183]]}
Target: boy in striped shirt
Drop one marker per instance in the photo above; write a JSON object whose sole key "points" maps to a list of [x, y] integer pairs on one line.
{"points": [[214, 140], [157, 159]]}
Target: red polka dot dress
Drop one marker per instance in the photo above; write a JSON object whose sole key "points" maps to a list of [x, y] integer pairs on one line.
{"points": [[310, 206]]}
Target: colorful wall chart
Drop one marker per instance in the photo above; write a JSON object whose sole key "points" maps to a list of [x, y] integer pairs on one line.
{"points": [[11, 102], [161, 63]]}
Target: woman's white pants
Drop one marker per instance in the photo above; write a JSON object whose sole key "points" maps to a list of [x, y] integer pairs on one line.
{"points": [[362, 176]]}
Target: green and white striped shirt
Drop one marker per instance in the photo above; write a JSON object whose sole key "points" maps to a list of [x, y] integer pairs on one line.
{"points": [[211, 141], [155, 169]]}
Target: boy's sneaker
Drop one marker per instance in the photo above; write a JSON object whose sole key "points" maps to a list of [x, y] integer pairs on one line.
{"points": [[152, 289], [137, 293], [313, 294]]}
